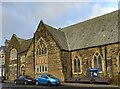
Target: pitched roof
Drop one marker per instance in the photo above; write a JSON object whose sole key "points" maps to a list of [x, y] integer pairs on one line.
{"points": [[59, 36], [24, 43], [94, 32]]}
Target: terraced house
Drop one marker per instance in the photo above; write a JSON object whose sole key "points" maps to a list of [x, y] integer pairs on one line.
{"points": [[68, 52]]}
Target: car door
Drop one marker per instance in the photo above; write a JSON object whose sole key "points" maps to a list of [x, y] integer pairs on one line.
{"points": [[43, 79], [18, 79], [21, 79]]}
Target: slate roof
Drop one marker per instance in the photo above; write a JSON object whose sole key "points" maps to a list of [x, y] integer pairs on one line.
{"points": [[94, 32], [59, 36], [24, 43]]}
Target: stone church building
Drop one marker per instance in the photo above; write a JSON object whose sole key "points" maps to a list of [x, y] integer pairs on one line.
{"points": [[68, 52]]}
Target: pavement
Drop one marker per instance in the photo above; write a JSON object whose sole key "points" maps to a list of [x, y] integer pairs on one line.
{"points": [[90, 85]]}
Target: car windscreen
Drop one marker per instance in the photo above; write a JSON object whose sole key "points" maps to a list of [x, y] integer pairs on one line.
{"points": [[51, 76], [28, 77]]}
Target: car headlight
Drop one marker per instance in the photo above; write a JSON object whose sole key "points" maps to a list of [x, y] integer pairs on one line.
{"points": [[29, 80]]}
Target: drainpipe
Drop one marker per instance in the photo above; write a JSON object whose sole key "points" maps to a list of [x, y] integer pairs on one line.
{"points": [[17, 65], [106, 60], [70, 64]]}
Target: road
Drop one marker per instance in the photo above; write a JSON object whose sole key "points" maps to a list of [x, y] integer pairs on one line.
{"points": [[63, 86]]}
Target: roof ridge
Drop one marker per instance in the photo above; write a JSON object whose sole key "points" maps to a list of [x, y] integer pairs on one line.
{"points": [[58, 35], [62, 29]]}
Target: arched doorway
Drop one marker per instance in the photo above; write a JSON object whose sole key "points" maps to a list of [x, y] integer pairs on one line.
{"points": [[22, 69]]}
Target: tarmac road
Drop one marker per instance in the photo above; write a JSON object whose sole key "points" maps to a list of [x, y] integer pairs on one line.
{"points": [[63, 86]]}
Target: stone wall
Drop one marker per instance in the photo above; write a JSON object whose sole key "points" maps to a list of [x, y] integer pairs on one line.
{"points": [[11, 63], [112, 61], [21, 63], [30, 61], [66, 63], [53, 57], [110, 57]]}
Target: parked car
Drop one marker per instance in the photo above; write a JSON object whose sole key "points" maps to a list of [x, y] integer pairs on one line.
{"points": [[47, 79], [24, 80]]}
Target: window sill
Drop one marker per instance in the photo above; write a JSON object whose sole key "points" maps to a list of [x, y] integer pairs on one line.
{"points": [[77, 73]]}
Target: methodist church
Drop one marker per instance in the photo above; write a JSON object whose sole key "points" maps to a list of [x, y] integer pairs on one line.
{"points": [[68, 52]]}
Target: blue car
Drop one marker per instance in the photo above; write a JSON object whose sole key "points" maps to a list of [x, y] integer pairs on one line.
{"points": [[47, 79]]}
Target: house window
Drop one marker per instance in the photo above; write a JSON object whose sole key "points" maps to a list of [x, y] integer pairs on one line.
{"points": [[13, 54], [97, 61], [11, 71], [15, 69], [40, 68], [37, 69], [22, 58], [41, 48], [77, 65], [43, 69]]}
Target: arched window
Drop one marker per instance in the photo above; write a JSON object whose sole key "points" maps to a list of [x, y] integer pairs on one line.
{"points": [[41, 48], [97, 61], [78, 62], [77, 65], [13, 54], [100, 63]]}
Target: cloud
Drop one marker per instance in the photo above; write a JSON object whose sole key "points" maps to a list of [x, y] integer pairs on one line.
{"points": [[22, 18], [99, 10], [32, 13]]}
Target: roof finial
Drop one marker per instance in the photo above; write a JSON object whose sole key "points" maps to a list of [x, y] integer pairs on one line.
{"points": [[41, 21]]}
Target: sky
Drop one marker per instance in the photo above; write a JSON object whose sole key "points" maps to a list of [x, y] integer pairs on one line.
{"points": [[22, 17]]}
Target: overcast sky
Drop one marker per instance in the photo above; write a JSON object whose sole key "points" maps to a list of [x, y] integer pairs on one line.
{"points": [[22, 18]]}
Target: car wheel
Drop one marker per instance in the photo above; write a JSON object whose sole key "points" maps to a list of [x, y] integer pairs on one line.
{"points": [[49, 83], [25, 82], [92, 80], [37, 83], [109, 82], [15, 82]]}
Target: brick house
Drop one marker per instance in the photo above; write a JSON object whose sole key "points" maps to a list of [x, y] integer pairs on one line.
{"points": [[15, 56], [69, 51]]}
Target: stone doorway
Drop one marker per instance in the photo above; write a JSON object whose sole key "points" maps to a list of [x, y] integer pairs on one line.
{"points": [[22, 68]]}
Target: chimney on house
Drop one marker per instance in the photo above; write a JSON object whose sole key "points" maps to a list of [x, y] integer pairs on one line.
{"points": [[6, 43]]}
